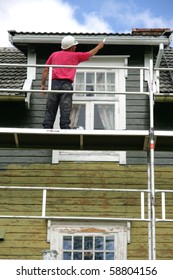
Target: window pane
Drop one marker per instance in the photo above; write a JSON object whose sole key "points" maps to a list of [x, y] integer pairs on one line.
{"points": [[88, 256], [110, 243], [100, 78], [110, 88], [67, 242], [79, 78], [79, 81], [89, 88], [89, 82], [77, 256], [100, 88], [104, 116], [80, 117], [100, 81], [99, 243], [88, 243], [110, 256], [110, 81], [111, 78], [67, 256], [77, 243], [99, 256], [98, 124], [90, 78]]}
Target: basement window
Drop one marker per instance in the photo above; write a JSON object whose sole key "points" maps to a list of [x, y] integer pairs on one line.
{"points": [[89, 241]]}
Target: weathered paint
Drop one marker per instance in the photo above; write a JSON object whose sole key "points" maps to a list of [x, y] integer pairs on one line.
{"points": [[27, 238]]}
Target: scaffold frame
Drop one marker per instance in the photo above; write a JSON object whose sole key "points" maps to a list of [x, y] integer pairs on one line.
{"points": [[147, 140]]}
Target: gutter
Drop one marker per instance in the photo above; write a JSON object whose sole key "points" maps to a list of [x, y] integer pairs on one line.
{"points": [[11, 98], [18, 39]]}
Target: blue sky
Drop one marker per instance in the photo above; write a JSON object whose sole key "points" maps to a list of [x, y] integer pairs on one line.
{"points": [[125, 15], [115, 16]]}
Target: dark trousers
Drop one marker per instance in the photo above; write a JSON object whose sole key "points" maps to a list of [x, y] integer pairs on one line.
{"points": [[61, 100]]}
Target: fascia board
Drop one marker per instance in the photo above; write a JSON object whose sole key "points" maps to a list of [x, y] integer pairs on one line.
{"points": [[116, 40]]}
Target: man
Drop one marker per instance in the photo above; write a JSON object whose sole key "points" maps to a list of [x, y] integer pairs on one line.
{"points": [[62, 79]]}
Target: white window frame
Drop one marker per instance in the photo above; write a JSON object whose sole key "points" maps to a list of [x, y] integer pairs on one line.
{"points": [[120, 112], [89, 107], [58, 229], [31, 75]]}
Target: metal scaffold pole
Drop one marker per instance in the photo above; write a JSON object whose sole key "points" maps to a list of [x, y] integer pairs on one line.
{"points": [[149, 204], [151, 148]]}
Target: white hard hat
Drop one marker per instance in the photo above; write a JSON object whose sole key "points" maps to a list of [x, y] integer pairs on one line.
{"points": [[67, 42]]}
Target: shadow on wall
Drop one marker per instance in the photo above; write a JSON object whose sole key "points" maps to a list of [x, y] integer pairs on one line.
{"points": [[163, 116], [13, 114]]}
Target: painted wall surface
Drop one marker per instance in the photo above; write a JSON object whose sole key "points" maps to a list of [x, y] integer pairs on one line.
{"points": [[27, 238]]}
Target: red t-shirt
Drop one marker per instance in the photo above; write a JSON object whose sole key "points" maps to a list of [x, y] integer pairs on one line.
{"points": [[66, 58]]}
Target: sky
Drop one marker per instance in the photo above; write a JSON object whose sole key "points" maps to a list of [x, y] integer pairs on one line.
{"points": [[98, 16]]}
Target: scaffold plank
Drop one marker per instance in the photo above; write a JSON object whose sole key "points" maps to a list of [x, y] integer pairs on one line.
{"points": [[120, 140]]}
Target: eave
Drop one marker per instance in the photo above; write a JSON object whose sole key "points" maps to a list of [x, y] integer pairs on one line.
{"points": [[111, 39]]}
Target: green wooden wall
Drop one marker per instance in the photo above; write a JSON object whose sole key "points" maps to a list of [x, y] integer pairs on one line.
{"points": [[27, 238]]}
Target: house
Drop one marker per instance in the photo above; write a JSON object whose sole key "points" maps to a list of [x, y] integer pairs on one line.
{"points": [[103, 192]]}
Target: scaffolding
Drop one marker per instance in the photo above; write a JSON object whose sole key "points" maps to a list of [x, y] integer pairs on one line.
{"points": [[122, 140]]}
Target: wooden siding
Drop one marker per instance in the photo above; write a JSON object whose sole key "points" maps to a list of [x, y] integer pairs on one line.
{"points": [[15, 114], [26, 238], [18, 116]]}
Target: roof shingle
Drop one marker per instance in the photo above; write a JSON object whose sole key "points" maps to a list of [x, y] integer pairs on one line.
{"points": [[166, 77], [12, 77]]}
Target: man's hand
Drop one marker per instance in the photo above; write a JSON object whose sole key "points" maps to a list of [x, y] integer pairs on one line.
{"points": [[43, 80], [43, 88], [101, 44], [97, 48]]}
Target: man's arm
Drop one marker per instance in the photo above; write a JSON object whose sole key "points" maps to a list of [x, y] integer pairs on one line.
{"points": [[96, 49], [44, 77]]}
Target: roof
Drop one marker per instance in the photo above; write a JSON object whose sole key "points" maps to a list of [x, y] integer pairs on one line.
{"points": [[166, 77], [12, 77], [135, 32], [147, 36]]}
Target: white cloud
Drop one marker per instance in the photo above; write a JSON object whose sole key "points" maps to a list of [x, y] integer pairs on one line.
{"points": [[94, 23], [129, 15], [145, 19], [60, 16], [45, 16]]}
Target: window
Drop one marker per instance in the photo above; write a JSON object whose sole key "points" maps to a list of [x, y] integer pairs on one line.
{"points": [[95, 110], [95, 81], [89, 241], [101, 108], [89, 247]]}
